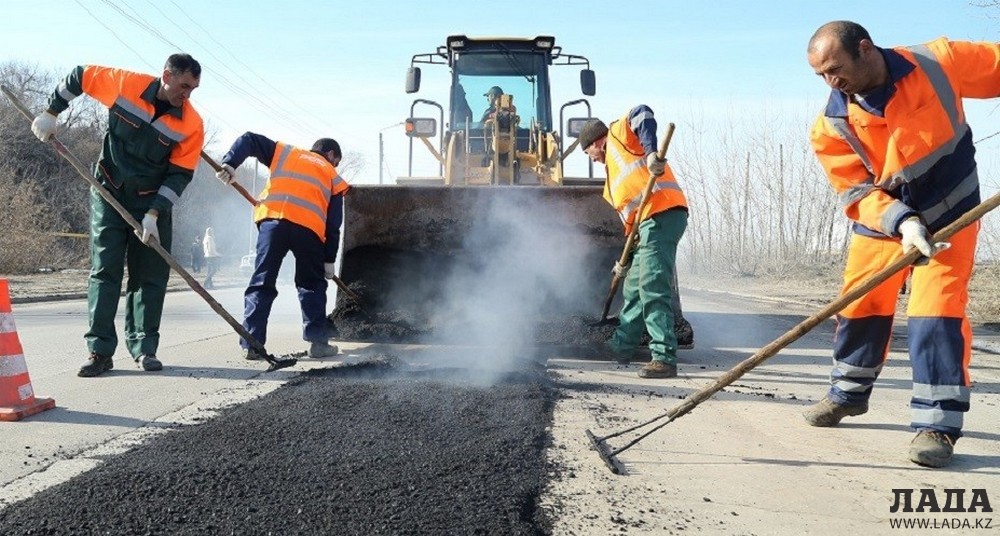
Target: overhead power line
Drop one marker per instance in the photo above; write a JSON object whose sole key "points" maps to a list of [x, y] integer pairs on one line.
{"points": [[244, 64], [272, 109]]}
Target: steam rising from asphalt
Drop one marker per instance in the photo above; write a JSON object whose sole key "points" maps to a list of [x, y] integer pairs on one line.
{"points": [[522, 266]]}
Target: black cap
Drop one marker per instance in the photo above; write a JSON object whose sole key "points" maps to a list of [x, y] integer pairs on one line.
{"points": [[594, 130], [493, 91]]}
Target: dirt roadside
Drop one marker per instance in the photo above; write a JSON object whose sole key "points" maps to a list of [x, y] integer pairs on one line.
{"points": [[72, 284]]}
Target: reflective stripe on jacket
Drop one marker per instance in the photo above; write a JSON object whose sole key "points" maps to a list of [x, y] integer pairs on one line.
{"points": [[139, 154], [625, 159], [299, 189], [918, 158]]}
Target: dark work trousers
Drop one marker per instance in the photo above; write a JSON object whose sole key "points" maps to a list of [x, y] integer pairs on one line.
{"points": [[113, 247], [275, 239]]}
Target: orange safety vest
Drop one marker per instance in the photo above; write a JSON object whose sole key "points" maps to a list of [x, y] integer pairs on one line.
{"points": [[921, 151], [627, 177], [299, 189]]}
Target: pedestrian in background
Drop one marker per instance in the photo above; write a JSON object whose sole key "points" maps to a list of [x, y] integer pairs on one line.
{"points": [[197, 255], [212, 257], [897, 150], [149, 153], [628, 151], [301, 209]]}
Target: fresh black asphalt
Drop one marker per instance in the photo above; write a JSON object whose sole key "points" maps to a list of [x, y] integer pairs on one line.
{"points": [[350, 450]]}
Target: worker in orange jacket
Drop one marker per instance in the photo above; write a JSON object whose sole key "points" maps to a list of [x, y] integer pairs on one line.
{"points": [[627, 148], [300, 211], [150, 150], [895, 144]]}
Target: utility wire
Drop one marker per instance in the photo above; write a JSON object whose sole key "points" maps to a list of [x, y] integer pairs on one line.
{"points": [[260, 104], [242, 63], [987, 137], [140, 56], [246, 83], [113, 33]]}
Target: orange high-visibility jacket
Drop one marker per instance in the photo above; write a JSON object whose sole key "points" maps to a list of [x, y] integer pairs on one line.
{"points": [[150, 156], [299, 189], [919, 157], [625, 160]]}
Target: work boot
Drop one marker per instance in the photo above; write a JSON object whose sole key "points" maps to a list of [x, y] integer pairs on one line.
{"points": [[658, 369], [149, 363], [932, 448], [252, 355], [322, 349], [828, 413], [96, 365], [684, 333]]}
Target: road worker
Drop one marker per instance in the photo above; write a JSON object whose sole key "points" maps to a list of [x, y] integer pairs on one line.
{"points": [[301, 209], [148, 157], [627, 148], [896, 147]]}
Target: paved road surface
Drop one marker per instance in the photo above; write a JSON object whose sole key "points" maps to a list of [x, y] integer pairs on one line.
{"points": [[741, 463]]}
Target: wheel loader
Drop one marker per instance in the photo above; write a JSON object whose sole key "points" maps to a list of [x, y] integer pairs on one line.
{"points": [[501, 248]]}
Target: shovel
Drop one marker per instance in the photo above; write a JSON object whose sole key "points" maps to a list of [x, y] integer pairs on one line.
{"points": [[633, 233], [608, 453], [80, 168], [253, 201]]}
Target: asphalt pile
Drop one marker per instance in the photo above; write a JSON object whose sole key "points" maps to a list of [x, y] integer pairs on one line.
{"points": [[405, 299], [353, 450]]}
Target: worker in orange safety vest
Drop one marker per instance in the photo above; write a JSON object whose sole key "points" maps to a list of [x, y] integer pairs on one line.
{"points": [[301, 209], [628, 150], [894, 142]]}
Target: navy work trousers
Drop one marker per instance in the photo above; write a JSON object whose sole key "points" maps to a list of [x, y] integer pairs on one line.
{"points": [[276, 239]]}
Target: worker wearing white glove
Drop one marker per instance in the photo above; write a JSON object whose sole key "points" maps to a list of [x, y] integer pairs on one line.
{"points": [[44, 126], [915, 235], [330, 270], [620, 269], [149, 229], [226, 174], [655, 164]]}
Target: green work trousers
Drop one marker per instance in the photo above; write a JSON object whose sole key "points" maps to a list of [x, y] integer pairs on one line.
{"points": [[113, 247], [648, 288]]}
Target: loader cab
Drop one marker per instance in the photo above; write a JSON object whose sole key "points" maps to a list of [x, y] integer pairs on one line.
{"points": [[519, 67]]}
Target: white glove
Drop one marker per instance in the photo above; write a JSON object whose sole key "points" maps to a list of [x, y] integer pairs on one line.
{"points": [[227, 174], [655, 164], [915, 235], [619, 269], [149, 229], [330, 270], [44, 126]]}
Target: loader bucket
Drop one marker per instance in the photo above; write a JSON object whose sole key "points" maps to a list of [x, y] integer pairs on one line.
{"points": [[510, 265]]}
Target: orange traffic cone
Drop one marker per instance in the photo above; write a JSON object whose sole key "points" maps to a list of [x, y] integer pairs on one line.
{"points": [[17, 399]]}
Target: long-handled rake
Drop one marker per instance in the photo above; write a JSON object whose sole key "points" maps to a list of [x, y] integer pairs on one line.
{"points": [[274, 363], [608, 453]]}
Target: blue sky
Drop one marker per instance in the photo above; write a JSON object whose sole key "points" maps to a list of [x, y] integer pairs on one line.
{"points": [[297, 70]]}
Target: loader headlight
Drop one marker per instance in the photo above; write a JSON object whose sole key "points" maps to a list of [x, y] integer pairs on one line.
{"points": [[575, 125], [545, 42], [421, 127], [456, 42]]}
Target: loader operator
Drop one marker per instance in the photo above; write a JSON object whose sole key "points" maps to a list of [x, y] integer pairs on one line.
{"points": [[628, 151], [301, 209], [493, 97], [897, 150], [148, 157]]}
